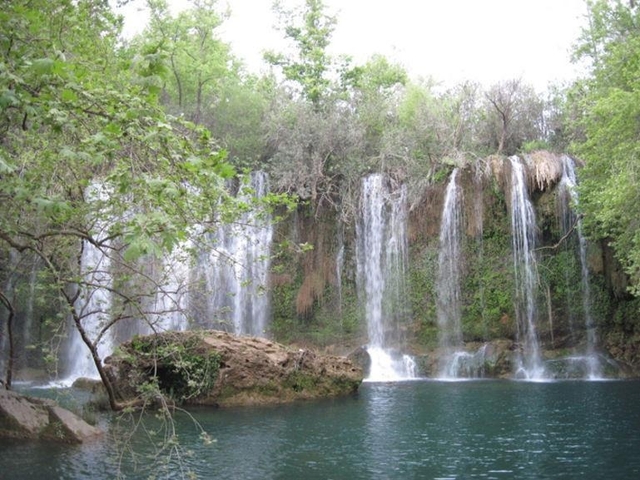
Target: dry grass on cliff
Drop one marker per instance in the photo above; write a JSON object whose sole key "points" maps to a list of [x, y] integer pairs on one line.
{"points": [[319, 269], [544, 169]]}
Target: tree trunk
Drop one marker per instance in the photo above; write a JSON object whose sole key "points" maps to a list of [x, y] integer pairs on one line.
{"points": [[503, 136], [9, 372]]}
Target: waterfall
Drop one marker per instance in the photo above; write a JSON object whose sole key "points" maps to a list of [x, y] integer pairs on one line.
{"points": [[381, 249], [523, 224], [94, 300], [238, 266], [448, 293], [29, 309], [568, 193], [235, 274]]}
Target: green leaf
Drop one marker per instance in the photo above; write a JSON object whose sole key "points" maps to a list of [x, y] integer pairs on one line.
{"points": [[226, 170], [69, 95], [43, 66], [5, 166], [8, 99]]}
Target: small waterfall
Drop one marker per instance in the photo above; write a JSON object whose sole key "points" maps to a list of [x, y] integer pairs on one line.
{"points": [[523, 224], [448, 292], [463, 364], [339, 268], [94, 302], [238, 266], [381, 264], [569, 193], [29, 308]]}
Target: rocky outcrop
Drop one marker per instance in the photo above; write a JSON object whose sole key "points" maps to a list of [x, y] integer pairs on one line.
{"points": [[41, 419], [216, 368]]}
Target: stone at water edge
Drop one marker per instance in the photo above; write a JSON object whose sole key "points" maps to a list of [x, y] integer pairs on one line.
{"points": [[41, 419]]}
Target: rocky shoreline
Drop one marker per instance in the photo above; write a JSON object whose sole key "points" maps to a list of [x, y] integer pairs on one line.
{"points": [[24, 417]]}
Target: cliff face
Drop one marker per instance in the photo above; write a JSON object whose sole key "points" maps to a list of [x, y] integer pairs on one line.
{"points": [[315, 293]]}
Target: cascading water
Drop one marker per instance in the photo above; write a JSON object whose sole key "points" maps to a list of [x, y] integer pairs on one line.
{"points": [[94, 301], [236, 275], [448, 292], [523, 224], [382, 258], [237, 271], [568, 193]]}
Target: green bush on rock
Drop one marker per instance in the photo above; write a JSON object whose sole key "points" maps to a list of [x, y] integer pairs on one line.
{"points": [[177, 366]]}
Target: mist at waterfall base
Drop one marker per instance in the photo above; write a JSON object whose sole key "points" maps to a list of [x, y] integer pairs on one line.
{"points": [[422, 429]]}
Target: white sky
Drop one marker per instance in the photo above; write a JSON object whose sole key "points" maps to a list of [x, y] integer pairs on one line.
{"points": [[450, 40]]}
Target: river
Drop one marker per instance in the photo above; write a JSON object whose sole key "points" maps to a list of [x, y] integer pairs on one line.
{"points": [[407, 430]]}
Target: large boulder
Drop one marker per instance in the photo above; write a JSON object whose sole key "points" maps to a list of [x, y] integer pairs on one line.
{"points": [[217, 368], [35, 418]]}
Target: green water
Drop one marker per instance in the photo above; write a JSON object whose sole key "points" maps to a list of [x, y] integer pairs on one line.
{"points": [[421, 430]]}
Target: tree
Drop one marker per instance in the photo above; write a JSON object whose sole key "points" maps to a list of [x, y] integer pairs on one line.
{"points": [[77, 117], [310, 149], [204, 82], [374, 90], [309, 65], [515, 115], [198, 62]]}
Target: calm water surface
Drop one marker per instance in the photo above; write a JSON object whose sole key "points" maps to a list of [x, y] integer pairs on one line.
{"points": [[421, 430]]}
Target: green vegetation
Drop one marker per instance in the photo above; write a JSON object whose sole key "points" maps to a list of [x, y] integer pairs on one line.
{"points": [[181, 370], [605, 106]]}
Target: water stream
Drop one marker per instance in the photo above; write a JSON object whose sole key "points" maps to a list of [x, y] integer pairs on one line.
{"points": [[523, 231], [94, 301], [448, 289], [381, 245], [569, 195]]}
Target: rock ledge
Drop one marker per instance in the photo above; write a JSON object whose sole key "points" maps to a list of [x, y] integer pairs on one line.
{"points": [[217, 368]]}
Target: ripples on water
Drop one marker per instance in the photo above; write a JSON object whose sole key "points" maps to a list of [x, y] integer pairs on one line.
{"points": [[419, 429]]}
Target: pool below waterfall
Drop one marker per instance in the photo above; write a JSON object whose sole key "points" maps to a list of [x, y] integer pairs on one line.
{"points": [[487, 429]]}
